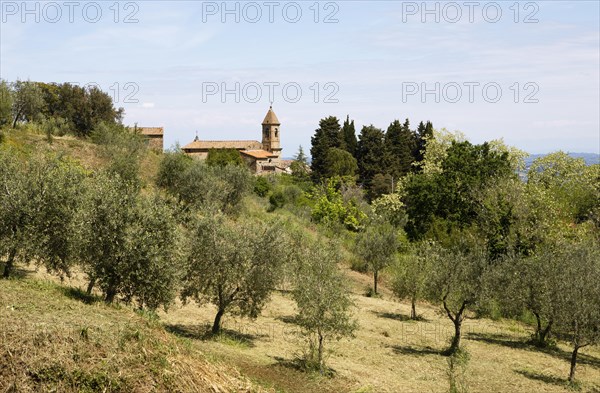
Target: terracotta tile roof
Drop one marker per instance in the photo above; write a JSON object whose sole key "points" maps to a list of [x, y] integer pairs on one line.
{"points": [[271, 118], [150, 130], [240, 145], [259, 153]]}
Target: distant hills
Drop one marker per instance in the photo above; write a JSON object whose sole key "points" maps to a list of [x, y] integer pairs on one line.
{"points": [[590, 158]]}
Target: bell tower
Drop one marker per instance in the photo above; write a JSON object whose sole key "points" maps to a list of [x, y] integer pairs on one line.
{"points": [[270, 133]]}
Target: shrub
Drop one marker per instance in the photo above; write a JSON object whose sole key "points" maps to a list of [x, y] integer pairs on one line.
{"points": [[262, 186]]}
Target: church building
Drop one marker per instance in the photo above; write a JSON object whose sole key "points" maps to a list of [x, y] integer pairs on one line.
{"points": [[262, 157]]}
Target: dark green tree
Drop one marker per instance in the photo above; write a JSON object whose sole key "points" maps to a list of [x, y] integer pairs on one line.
{"points": [[223, 157], [340, 163], [449, 198], [400, 143], [349, 136], [328, 135], [424, 131], [370, 155]]}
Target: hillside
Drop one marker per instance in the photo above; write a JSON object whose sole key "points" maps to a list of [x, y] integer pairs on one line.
{"points": [[53, 337]]}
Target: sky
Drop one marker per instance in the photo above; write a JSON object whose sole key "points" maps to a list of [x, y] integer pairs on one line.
{"points": [[527, 72]]}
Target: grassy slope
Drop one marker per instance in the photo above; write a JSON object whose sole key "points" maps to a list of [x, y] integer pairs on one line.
{"points": [[41, 325], [54, 338]]}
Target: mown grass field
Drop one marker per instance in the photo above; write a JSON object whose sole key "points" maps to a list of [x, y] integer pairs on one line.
{"points": [[389, 352]]}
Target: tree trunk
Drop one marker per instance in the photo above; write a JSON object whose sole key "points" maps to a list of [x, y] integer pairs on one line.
{"points": [[457, 320], [375, 281], [456, 339], [111, 292], [320, 353], [413, 309], [546, 332], [216, 328], [541, 333], [91, 285], [573, 363], [9, 263]]}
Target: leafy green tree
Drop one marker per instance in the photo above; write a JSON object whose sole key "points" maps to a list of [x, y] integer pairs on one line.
{"points": [[412, 272], [223, 157], [233, 265], [331, 208], [449, 196], [6, 102], [340, 163], [28, 103], [391, 208], [570, 181], [377, 246], [370, 155], [328, 135], [400, 144], [262, 186], [349, 136], [322, 299]]}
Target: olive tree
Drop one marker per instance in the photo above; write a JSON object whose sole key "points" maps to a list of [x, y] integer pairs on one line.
{"points": [[56, 199], [411, 273], [152, 262], [456, 280], [578, 313], [324, 304], [107, 207], [377, 246], [17, 209], [232, 264]]}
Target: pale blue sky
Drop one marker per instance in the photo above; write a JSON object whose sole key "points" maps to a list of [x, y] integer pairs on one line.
{"points": [[376, 50]]}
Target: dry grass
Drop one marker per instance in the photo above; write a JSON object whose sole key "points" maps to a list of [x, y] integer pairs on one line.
{"points": [[54, 338], [390, 353]]}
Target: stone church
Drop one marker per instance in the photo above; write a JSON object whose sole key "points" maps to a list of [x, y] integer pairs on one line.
{"points": [[262, 157]]}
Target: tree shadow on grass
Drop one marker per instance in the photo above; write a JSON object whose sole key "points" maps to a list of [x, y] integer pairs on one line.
{"points": [[203, 333], [513, 342], [550, 379], [408, 350], [17, 272], [79, 294], [399, 317], [300, 365]]}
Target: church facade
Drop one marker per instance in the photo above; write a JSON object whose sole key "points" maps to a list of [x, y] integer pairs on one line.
{"points": [[261, 157]]}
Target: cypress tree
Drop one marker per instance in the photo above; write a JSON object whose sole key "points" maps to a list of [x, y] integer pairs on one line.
{"points": [[424, 131], [370, 154], [400, 144], [328, 135], [349, 136]]}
